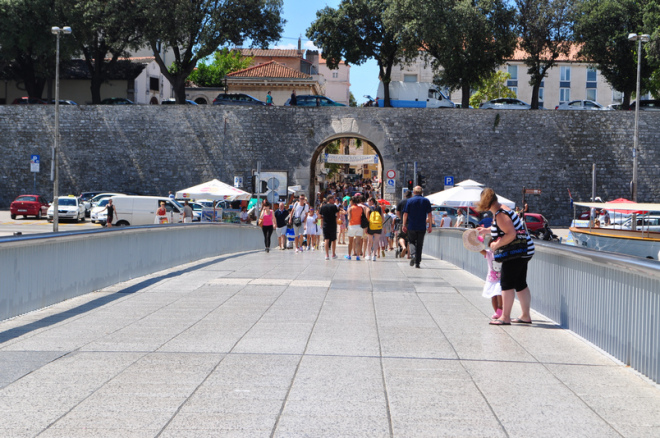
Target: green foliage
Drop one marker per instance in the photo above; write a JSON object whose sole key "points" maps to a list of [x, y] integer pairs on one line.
{"points": [[103, 30], [465, 41], [213, 74], [545, 30], [602, 26], [355, 32], [351, 100], [333, 147], [194, 29], [492, 87]]}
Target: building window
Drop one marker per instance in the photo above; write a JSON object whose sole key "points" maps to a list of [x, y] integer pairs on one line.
{"points": [[591, 94], [335, 75], [540, 97], [565, 74], [409, 78], [154, 84], [564, 95], [515, 90], [513, 72], [617, 96], [592, 75]]}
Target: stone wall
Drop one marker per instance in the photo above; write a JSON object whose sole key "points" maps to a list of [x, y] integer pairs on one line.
{"points": [[154, 149]]}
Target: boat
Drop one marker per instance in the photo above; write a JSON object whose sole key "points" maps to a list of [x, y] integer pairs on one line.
{"points": [[641, 239]]}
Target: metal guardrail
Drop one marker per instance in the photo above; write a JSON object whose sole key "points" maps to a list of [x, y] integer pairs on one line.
{"points": [[611, 300], [40, 270]]}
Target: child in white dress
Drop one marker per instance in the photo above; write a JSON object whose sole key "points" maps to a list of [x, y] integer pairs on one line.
{"points": [[492, 288]]}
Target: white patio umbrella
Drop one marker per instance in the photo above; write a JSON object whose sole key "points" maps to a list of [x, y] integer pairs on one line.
{"points": [[215, 190], [465, 194]]}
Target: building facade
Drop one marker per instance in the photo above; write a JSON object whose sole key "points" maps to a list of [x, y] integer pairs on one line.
{"points": [[571, 79]]}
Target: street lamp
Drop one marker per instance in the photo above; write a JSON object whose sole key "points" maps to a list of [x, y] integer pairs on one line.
{"points": [[66, 30], [639, 38]]}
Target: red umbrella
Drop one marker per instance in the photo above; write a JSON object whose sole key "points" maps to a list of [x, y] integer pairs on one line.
{"points": [[624, 201], [383, 202]]}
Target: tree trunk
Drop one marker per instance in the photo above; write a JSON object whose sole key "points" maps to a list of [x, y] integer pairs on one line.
{"points": [[626, 100], [465, 96], [180, 88], [535, 95]]}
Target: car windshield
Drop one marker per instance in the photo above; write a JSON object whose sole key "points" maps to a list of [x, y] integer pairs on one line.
{"points": [[176, 203], [27, 198], [103, 202], [68, 201]]}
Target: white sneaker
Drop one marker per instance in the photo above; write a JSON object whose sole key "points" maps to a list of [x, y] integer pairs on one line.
{"points": [[373, 258], [327, 258], [297, 250]]}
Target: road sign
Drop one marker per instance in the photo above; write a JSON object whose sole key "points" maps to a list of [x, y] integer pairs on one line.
{"points": [[449, 181], [238, 181], [34, 163], [390, 186], [532, 191], [391, 174]]}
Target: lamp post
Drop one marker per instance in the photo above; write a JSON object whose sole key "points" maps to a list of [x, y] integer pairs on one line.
{"points": [[66, 30], [639, 38]]}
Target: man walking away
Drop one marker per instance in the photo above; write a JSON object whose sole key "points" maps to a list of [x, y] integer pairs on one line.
{"points": [[415, 215], [329, 214], [187, 213], [280, 221]]}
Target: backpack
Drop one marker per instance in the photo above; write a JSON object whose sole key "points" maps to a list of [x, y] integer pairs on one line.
{"points": [[375, 220], [364, 222]]}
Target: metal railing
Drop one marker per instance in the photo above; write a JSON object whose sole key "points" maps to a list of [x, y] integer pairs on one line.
{"points": [[611, 300], [40, 270]]}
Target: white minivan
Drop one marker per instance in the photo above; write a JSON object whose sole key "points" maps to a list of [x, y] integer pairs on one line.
{"points": [[141, 210]]}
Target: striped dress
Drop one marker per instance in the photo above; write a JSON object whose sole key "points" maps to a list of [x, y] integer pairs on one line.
{"points": [[496, 233]]}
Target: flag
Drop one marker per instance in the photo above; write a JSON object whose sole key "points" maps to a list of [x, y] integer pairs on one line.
{"points": [[570, 197]]}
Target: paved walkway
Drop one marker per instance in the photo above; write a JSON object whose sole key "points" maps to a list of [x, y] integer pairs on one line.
{"points": [[289, 345]]}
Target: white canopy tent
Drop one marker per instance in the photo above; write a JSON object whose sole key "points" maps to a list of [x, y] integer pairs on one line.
{"points": [[465, 194], [215, 190]]}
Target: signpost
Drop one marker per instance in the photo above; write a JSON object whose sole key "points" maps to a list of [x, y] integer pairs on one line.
{"points": [[526, 191], [34, 168], [449, 182], [390, 187], [238, 182], [391, 174]]}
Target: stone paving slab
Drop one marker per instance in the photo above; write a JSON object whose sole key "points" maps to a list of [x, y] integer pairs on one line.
{"points": [[291, 345]]}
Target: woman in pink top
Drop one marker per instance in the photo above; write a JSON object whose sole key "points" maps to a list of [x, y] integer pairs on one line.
{"points": [[267, 219]]}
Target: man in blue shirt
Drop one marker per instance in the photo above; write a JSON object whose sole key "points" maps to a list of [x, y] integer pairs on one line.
{"points": [[417, 220]]}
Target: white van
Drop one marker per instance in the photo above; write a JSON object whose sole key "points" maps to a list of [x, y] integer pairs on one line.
{"points": [[141, 210], [414, 95]]}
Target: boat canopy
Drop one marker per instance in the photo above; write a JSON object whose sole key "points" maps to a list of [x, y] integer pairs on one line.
{"points": [[620, 205]]}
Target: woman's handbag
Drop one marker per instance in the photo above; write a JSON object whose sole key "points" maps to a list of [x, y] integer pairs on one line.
{"points": [[513, 250]]}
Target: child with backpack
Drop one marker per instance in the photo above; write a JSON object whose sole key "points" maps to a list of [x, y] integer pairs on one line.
{"points": [[375, 229]]}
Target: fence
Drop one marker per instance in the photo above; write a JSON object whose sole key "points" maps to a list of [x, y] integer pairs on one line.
{"points": [[38, 271], [611, 300]]}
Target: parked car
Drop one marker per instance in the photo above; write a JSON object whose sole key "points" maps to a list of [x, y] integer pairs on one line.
{"points": [[197, 211], [63, 102], [614, 107], [29, 205], [505, 103], [98, 216], [311, 100], [28, 101], [452, 212], [646, 223], [141, 210], [173, 102], [86, 198], [117, 101], [69, 207], [535, 221], [237, 99], [646, 105], [579, 105]]}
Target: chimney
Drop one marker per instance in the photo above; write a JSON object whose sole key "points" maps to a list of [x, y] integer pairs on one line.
{"points": [[299, 44]]}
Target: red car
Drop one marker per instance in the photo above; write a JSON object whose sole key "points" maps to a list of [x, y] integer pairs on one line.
{"points": [[535, 221], [28, 101], [29, 205]]}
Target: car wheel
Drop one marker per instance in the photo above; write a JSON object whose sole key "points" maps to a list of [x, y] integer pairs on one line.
{"points": [[122, 224], [13, 216], [471, 225], [39, 214], [25, 216]]}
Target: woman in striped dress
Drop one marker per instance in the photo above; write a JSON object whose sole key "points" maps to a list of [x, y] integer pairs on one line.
{"points": [[506, 224]]}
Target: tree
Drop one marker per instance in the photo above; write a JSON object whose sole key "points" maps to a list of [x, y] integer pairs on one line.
{"points": [[465, 41], [351, 100], [103, 30], [602, 27], [545, 30], [27, 43], [224, 62], [194, 29], [355, 32], [492, 87]]}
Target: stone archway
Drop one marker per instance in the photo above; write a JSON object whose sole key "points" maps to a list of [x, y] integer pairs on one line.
{"points": [[319, 149]]}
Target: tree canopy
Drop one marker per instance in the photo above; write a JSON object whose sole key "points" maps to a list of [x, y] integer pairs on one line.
{"points": [[602, 27], [194, 29], [213, 73], [545, 30], [493, 87], [355, 32]]}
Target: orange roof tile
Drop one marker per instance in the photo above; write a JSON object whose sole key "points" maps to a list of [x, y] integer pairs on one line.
{"points": [[271, 53], [269, 69], [519, 55]]}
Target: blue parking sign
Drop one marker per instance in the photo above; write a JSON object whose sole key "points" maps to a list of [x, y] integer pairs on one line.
{"points": [[449, 180]]}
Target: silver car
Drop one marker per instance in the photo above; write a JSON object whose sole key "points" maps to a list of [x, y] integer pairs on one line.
{"points": [[505, 103], [580, 105]]}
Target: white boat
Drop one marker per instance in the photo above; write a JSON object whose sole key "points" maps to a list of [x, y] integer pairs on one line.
{"points": [[641, 242]]}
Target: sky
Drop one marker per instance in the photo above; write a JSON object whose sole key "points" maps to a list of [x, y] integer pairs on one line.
{"points": [[299, 15]]}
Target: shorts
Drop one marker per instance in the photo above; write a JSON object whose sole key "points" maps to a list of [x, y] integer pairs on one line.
{"points": [[299, 231], [330, 234], [372, 232], [281, 231], [355, 231], [514, 274]]}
